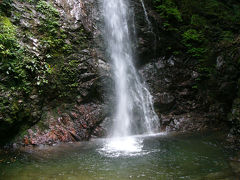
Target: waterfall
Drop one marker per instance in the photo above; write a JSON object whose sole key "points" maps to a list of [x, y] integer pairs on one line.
{"points": [[146, 16], [134, 112], [150, 27]]}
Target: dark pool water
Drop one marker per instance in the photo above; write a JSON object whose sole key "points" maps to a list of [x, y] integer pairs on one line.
{"points": [[160, 157]]}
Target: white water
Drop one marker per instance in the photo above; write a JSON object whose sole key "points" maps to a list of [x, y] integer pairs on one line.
{"points": [[134, 112], [146, 16]]}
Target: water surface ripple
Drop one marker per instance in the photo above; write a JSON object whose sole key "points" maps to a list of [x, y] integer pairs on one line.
{"points": [[159, 157]]}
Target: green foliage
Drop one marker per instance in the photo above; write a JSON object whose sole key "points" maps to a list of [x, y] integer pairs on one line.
{"points": [[198, 27], [169, 13], [7, 38], [23, 74], [193, 41], [63, 75], [169, 10], [227, 36], [5, 6], [19, 74], [17, 68], [27, 1], [53, 74], [51, 16], [192, 35], [47, 9], [198, 21], [11, 56], [69, 74], [53, 38]]}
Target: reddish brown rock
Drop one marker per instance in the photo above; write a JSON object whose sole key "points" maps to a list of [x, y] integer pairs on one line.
{"points": [[79, 124]]}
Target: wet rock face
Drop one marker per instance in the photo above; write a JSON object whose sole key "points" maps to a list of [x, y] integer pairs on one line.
{"points": [[70, 106], [170, 79], [174, 82], [78, 124], [164, 101], [147, 42], [188, 122], [171, 85], [82, 12]]}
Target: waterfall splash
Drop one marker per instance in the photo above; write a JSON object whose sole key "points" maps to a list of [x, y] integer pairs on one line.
{"points": [[134, 113]]}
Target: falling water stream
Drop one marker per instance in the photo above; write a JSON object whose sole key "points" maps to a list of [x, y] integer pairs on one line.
{"points": [[133, 149], [146, 16], [150, 27], [134, 113]]}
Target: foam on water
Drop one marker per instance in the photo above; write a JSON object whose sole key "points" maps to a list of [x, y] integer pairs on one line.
{"points": [[127, 146]]}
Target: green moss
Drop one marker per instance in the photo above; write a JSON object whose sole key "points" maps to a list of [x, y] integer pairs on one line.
{"points": [[47, 9], [5, 7], [53, 37], [22, 74], [8, 39], [63, 74], [19, 74]]}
